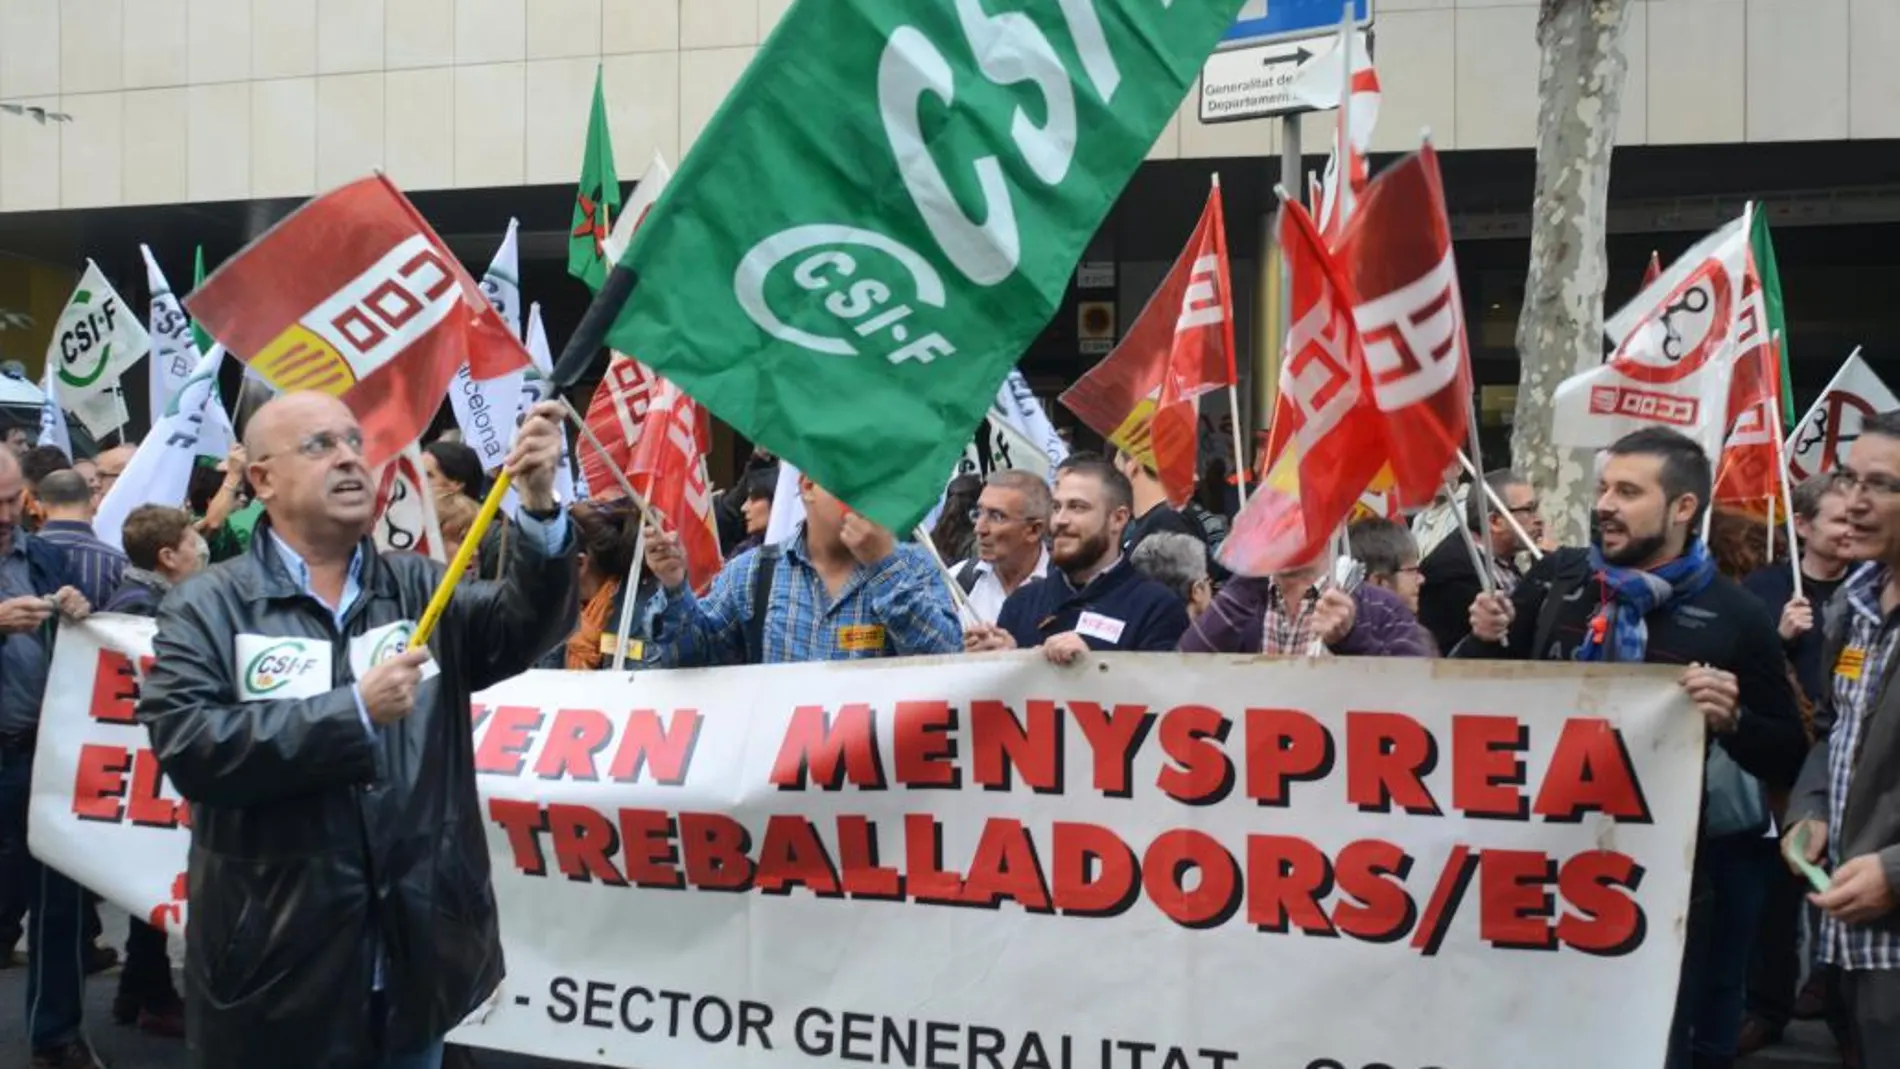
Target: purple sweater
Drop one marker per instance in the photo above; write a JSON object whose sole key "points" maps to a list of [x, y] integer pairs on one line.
{"points": [[1383, 626]]}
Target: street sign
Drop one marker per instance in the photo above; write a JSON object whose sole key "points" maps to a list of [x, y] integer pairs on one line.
{"points": [[1265, 21], [1256, 83]]}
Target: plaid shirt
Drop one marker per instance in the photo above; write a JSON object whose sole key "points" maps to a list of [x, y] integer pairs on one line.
{"points": [[899, 608], [1288, 634], [1870, 636]]}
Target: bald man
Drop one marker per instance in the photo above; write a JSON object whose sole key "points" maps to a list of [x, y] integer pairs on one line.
{"points": [[35, 586], [341, 913]]}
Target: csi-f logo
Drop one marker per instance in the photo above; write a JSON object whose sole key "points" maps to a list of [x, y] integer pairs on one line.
{"points": [[85, 346], [393, 643], [275, 666], [842, 290]]}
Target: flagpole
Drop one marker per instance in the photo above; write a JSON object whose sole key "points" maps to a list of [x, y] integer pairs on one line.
{"points": [[1477, 479], [630, 595], [1233, 378], [1781, 471], [464, 555], [956, 589]]}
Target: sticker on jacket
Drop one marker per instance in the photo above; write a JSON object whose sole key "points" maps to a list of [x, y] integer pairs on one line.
{"points": [[861, 638], [271, 668], [1852, 660], [373, 647], [1104, 628]]}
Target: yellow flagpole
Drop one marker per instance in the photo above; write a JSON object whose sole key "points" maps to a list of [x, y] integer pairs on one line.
{"points": [[471, 544]]}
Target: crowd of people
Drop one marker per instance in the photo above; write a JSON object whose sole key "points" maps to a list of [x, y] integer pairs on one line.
{"points": [[1091, 559]]}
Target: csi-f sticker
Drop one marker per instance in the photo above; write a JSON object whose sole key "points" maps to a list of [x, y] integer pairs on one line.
{"points": [[271, 668], [375, 646]]}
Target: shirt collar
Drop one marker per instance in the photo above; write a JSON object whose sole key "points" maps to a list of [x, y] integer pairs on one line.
{"points": [[1863, 590], [1041, 569], [17, 547], [74, 526], [300, 569]]}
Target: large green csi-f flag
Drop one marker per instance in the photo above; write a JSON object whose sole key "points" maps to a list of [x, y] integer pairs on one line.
{"points": [[886, 211]]}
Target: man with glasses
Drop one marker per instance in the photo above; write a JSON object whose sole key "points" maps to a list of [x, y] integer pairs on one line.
{"points": [[1451, 579], [1845, 811], [1012, 524], [341, 912], [108, 466]]}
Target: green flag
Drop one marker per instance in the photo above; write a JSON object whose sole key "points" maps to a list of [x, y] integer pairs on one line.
{"points": [[596, 201], [198, 336], [887, 210], [1762, 247]]}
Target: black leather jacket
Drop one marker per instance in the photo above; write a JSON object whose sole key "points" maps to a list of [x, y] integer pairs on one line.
{"points": [[314, 843]]}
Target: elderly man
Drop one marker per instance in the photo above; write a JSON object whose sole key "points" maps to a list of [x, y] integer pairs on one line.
{"points": [[108, 466], [1451, 579], [34, 586], [341, 913], [1012, 528]]}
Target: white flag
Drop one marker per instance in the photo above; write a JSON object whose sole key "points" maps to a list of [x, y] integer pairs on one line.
{"points": [[1821, 440], [534, 387], [788, 508], [1676, 345], [174, 353], [406, 520], [484, 409], [1022, 435], [635, 210], [53, 430], [102, 413], [96, 339], [159, 473]]}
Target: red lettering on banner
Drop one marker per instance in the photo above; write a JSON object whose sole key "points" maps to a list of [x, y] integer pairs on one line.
{"points": [[1006, 866], [923, 861], [1515, 909], [100, 783], [1094, 873], [717, 851], [1590, 771], [826, 750], [1115, 738], [573, 740], [1286, 878], [793, 855], [1377, 909], [477, 715], [665, 751], [145, 805], [522, 822], [651, 858], [926, 745], [1191, 736], [584, 844], [115, 690], [1388, 756], [510, 735], [1285, 746], [1164, 873], [1486, 772], [862, 876], [1000, 744], [1601, 885]]}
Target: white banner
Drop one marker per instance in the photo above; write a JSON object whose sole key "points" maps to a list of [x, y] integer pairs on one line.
{"points": [[483, 406], [996, 862], [1820, 441]]}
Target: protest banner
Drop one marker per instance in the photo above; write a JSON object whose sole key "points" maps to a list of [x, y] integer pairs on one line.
{"points": [[994, 862]]}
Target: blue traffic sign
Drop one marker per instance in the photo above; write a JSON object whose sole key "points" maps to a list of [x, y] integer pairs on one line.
{"points": [[1263, 21]]}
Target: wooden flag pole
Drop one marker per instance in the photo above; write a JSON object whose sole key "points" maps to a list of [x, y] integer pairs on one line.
{"points": [[458, 567], [956, 590], [630, 595], [1781, 472]]}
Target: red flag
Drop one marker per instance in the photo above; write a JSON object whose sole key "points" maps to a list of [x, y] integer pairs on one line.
{"points": [[615, 415], [1653, 271], [354, 295], [1330, 439], [668, 468], [1144, 397], [1398, 261], [1748, 477]]}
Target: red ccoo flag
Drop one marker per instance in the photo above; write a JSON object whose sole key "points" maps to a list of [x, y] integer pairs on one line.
{"points": [[1748, 476], [354, 295], [1144, 397], [668, 468], [616, 416], [1398, 261]]}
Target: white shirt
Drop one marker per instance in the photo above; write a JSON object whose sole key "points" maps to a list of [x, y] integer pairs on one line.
{"points": [[988, 595]]}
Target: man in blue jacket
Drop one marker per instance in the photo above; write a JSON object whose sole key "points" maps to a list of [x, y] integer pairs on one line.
{"points": [[1092, 598]]}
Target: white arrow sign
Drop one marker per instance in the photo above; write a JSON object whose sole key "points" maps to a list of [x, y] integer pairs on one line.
{"points": [[1257, 82]]}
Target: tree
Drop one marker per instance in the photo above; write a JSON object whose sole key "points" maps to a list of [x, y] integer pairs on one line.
{"points": [[1560, 330]]}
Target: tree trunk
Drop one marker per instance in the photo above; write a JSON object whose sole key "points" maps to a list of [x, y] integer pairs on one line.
{"points": [[1560, 330]]}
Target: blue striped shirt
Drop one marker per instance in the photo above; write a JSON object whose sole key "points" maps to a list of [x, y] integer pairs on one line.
{"points": [[1870, 638], [899, 607], [96, 568]]}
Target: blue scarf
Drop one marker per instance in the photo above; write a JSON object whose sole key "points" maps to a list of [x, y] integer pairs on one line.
{"points": [[1617, 632]]}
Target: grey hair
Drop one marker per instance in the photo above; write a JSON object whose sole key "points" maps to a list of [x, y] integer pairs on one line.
{"points": [[1175, 560], [1382, 545], [1038, 502]]}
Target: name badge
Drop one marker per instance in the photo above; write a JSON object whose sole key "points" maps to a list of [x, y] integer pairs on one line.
{"points": [[610, 644], [271, 668], [1852, 661], [861, 638], [373, 647], [1095, 625]]}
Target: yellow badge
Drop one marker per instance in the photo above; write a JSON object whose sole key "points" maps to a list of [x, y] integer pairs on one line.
{"points": [[609, 643], [861, 638], [1852, 659]]}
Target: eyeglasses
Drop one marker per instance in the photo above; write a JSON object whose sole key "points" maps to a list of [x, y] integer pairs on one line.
{"points": [[322, 445], [1847, 482], [1525, 510], [978, 515]]}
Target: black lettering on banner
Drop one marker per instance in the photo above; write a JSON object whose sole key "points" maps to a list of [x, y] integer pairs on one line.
{"points": [[815, 1041], [856, 1031], [600, 1005], [755, 1019], [626, 1010], [561, 994]]}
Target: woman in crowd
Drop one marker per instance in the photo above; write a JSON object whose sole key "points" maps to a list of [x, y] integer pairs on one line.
{"points": [[454, 470], [606, 537], [1179, 562]]}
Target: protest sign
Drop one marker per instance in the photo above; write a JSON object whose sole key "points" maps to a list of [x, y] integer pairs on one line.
{"points": [[992, 862]]}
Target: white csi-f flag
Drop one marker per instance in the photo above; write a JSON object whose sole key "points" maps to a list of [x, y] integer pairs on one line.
{"points": [[96, 340], [484, 409], [1820, 441], [159, 473], [174, 355], [53, 430], [1676, 345], [536, 386], [1021, 435]]}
